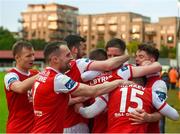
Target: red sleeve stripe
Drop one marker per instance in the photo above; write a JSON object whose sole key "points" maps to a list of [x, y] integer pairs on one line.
{"points": [[74, 88], [162, 106], [89, 65], [130, 67], [103, 99]]}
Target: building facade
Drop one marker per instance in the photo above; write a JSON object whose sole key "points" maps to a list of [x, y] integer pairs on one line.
{"points": [[127, 26], [48, 21]]}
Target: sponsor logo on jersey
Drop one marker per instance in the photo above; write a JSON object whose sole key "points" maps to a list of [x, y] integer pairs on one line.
{"points": [[86, 59], [161, 95], [70, 84], [12, 80], [124, 68]]}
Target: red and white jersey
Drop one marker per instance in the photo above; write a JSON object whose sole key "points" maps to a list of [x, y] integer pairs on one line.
{"points": [[21, 117], [125, 73], [95, 77], [77, 68], [50, 100], [159, 86], [124, 100]]}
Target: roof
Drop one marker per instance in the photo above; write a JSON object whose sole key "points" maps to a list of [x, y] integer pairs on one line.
{"points": [[7, 54]]}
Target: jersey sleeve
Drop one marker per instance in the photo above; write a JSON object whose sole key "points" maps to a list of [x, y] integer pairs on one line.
{"points": [[160, 88], [157, 102], [94, 109], [83, 64], [64, 84], [89, 75], [164, 108], [9, 78], [125, 72]]}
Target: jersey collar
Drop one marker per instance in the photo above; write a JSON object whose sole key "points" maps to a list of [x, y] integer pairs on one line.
{"points": [[50, 68], [21, 72]]}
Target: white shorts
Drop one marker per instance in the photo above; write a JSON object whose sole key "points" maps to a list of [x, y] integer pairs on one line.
{"points": [[78, 128]]}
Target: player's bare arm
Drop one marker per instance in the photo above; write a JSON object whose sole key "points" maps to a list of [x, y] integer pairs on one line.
{"points": [[147, 69], [20, 86], [108, 64], [96, 90]]}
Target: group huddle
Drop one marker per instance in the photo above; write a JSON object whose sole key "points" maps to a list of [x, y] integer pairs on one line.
{"points": [[99, 94]]}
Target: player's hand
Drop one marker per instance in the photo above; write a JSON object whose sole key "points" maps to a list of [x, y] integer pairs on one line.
{"points": [[126, 83], [139, 116], [77, 107], [146, 62]]}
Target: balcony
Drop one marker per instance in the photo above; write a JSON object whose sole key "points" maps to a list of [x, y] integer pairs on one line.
{"points": [[21, 20], [56, 36], [100, 32], [134, 31], [53, 27], [56, 18], [150, 33], [112, 32]]}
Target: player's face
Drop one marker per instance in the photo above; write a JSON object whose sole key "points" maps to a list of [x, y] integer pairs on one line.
{"points": [[81, 50], [25, 59], [141, 56], [114, 52], [64, 58]]}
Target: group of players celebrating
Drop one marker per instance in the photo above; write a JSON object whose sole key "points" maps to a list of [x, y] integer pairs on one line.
{"points": [[99, 94]]}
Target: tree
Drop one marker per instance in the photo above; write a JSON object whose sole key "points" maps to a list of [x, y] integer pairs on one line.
{"points": [[172, 53], [100, 44], [132, 47], [166, 52], [6, 39], [38, 44]]}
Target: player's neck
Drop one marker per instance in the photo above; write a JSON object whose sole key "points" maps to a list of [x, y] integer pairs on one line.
{"points": [[20, 68]]}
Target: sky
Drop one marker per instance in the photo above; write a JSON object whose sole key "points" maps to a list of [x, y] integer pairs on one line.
{"points": [[10, 10]]}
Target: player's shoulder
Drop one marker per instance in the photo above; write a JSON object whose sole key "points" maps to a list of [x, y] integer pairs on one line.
{"points": [[34, 71]]}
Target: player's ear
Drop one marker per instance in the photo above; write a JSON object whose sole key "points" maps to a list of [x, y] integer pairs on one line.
{"points": [[152, 60], [16, 57], [54, 59], [74, 50]]}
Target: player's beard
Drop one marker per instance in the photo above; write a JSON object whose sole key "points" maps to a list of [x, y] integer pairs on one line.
{"points": [[65, 68]]}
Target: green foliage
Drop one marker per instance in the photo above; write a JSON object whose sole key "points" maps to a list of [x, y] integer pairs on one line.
{"points": [[38, 44], [172, 53], [132, 47], [6, 39], [100, 44], [166, 52]]}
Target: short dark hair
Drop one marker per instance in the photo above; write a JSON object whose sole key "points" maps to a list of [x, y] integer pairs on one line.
{"points": [[73, 40], [52, 47], [98, 54], [19, 45], [140, 80], [118, 43], [150, 50]]}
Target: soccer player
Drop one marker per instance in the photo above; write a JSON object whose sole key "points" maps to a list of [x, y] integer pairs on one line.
{"points": [[75, 123], [125, 72], [77, 45], [125, 99], [150, 54], [51, 89], [18, 82], [115, 47]]}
